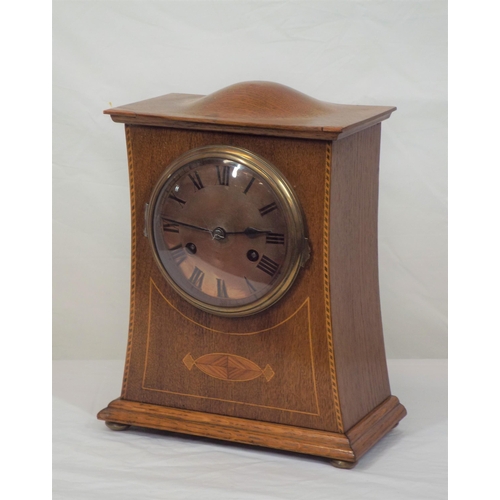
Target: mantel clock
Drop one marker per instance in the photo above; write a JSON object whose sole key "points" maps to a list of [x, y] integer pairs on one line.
{"points": [[255, 310]]}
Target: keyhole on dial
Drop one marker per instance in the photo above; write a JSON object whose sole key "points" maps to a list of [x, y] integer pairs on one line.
{"points": [[253, 255], [191, 248]]}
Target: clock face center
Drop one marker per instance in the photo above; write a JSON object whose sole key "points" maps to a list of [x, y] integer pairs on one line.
{"points": [[219, 234]]}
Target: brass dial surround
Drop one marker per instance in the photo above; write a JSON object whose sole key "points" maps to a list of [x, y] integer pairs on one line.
{"points": [[227, 230]]}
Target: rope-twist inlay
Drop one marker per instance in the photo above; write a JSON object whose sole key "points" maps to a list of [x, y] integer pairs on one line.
{"points": [[326, 273], [133, 258]]}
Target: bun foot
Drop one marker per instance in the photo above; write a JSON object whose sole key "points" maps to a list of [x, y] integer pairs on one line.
{"points": [[114, 426], [342, 464]]}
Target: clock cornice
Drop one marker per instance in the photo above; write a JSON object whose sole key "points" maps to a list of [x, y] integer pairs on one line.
{"points": [[253, 107]]}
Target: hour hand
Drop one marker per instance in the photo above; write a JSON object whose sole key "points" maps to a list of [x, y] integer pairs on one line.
{"points": [[251, 232], [166, 219]]}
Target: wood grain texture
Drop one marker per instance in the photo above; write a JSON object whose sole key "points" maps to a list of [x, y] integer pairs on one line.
{"points": [[348, 447], [356, 318], [374, 426], [281, 437], [289, 337], [263, 108]]}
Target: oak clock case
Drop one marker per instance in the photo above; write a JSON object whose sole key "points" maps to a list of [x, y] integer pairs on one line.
{"points": [[255, 310], [226, 230]]}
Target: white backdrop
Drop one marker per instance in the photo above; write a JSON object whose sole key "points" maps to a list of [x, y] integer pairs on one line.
{"points": [[380, 52]]}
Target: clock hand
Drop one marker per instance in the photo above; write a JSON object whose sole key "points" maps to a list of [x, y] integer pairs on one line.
{"points": [[251, 232], [186, 225]]}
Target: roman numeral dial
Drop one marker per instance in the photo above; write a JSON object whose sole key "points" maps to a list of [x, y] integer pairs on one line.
{"points": [[180, 201], [267, 209], [221, 289], [249, 185], [196, 278], [275, 239], [196, 180], [223, 229], [178, 254], [268, 265], [170, 227], [223, 175]]}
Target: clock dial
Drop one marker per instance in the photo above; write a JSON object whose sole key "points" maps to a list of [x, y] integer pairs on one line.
{"points": [[227, 230]]}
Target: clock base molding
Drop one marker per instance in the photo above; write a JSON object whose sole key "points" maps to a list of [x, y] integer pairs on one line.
{"points": [[344, 448]]}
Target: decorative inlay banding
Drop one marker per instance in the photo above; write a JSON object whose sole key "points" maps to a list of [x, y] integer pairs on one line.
{"points": [[133, 258], [228, 367], [326, 267]]}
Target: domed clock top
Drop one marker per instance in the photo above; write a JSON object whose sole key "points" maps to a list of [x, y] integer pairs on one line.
{"points": [[255, 107]]}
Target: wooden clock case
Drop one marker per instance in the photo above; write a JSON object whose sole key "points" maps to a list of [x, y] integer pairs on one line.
{"points": [[308, 374]]}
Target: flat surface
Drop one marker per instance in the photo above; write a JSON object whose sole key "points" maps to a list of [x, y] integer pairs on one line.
{"points": [[92, 462]]}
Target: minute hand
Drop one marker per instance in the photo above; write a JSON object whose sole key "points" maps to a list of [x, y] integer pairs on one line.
{"points": [[251, 232], [186, 225]]}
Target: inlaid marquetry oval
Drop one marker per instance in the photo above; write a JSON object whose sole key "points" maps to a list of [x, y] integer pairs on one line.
{"points": [[225, 366]]}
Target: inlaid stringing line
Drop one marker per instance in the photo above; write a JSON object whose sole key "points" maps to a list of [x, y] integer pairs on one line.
{"points": [[153, 285], [326, 268], [133, 259]]}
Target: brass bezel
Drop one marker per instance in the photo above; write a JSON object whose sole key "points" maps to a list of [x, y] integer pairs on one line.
{"points": [[298, 248]]}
